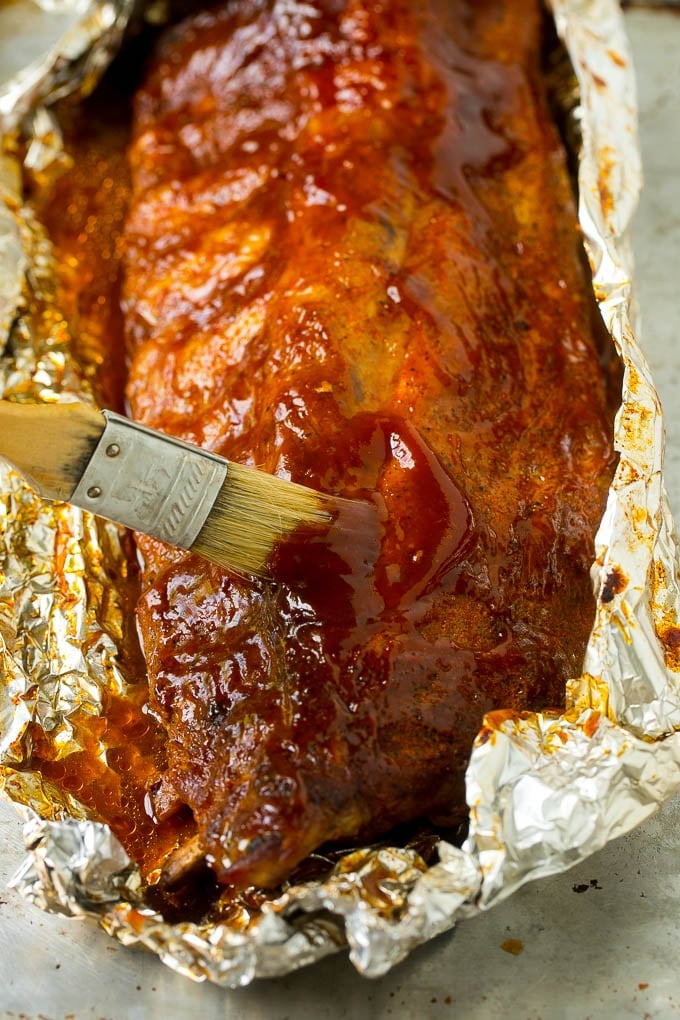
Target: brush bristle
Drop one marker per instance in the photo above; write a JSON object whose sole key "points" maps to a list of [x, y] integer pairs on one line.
{"points": [[50, 444], [253, 513]]}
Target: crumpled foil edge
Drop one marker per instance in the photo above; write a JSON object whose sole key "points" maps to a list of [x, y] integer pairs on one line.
{"points": [[545, 791], [74, 62]]}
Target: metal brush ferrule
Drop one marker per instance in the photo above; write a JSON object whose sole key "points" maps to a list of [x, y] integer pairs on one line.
{"points": [[150, 482]]}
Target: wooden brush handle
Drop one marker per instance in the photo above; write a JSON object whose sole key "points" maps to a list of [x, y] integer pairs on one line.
{"points": [[49, 443]]}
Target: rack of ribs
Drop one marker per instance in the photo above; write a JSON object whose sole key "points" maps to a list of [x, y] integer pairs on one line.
{"points": [[351, 259]]}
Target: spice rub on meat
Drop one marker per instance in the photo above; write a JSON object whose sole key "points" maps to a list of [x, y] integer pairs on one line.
{"points": [[352, 260]]}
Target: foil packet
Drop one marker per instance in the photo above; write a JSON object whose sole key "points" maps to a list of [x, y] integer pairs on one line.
{"points": [[544, 790]]}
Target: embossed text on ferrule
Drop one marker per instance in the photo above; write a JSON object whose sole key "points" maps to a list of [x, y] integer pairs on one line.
{"points": [[155, 484]]}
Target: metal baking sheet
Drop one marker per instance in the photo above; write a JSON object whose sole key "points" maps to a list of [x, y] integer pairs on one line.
{"points": [[600, 924]]}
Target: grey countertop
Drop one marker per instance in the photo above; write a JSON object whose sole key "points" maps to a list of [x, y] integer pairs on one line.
{"points": [[601, 941]]}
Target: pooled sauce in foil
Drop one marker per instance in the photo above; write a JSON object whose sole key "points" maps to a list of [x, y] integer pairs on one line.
{"points": [[84, 210], [115, 784], [430, 300], [122, 752]]}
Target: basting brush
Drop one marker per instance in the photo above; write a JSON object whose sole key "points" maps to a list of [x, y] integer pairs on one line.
{"points": [[233, 515]]}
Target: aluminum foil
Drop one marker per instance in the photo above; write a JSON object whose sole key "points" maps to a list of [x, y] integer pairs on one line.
{"points": [[74, 40], [544, 791]]}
